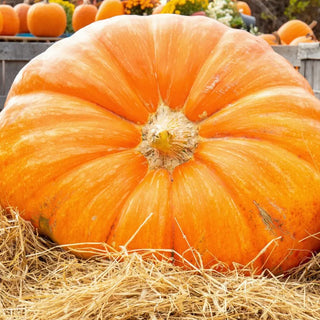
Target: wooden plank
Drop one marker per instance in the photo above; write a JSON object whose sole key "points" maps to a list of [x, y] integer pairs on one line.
{"points": [[2, 77], [13, 56], [290, 53], [2, 101], [22, 51], [29, 39], [309, 71], [12, 69], [309, 51], [316, 77]]}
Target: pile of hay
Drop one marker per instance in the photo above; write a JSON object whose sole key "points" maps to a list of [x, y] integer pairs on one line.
{"points": [[39, 280]]}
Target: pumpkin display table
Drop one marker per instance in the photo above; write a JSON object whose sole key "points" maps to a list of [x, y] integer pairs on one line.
{"points": [[146, 132]]}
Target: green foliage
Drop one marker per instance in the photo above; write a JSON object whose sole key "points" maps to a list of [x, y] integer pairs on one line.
{"points": [[296, 7]]}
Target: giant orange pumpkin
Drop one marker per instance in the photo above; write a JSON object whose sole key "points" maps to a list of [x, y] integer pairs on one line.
{"points": [[147, 132], [46, 19]]}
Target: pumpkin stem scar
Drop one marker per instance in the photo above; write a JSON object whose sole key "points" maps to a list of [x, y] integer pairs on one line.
{"points": [[266, 218], [168, 139]]}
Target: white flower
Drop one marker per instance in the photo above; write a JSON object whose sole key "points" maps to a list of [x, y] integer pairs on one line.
{"points": [[221, 10]]}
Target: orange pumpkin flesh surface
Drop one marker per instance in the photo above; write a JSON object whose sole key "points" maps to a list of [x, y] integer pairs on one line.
{"points": [[46, 19], [10, 20], [146, 132]]}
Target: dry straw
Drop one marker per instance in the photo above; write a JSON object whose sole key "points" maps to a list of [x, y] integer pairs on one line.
{"points": [[39, 280]]}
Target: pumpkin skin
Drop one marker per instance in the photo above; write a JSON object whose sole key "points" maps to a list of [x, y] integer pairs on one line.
{"points": [[273, 39], [1, 22], [73, 130], [83, 15], [10, 20], [303, 39], [22, 11], [109, 9], [46, 19], [293, 29], [243, 7]]}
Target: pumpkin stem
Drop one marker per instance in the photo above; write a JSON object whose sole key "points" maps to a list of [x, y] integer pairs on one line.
{"points": [[313, 24], [162, 141], [277, 37], [168, 139]]}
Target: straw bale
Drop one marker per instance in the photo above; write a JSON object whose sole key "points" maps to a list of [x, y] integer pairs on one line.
{"points": [[39, 280]]}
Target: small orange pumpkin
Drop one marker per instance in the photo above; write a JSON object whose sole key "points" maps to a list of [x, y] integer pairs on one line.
{"points": [[22, 11], [109, 8], [1, 22], [303, 39], [243, 7], [46, 19], [293, 29], [10, 26], [83, 15], [166, 136], [273, 39]]}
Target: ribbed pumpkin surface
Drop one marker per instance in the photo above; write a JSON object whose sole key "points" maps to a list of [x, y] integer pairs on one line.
{"points": [[81, 157]]}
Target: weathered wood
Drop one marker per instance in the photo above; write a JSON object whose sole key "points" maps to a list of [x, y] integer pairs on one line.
{"points": [[290, 53], [28, 39], [21, 51], [13, 56], [306, 57]]}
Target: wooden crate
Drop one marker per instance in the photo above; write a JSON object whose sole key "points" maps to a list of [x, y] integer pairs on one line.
{"points": [[306, 58], [13, 56]]}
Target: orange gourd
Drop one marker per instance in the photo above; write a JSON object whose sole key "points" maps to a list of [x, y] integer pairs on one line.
{"points": [[273, 39], [166, 136], [46, 19], [22, 12], [303, 39], [109, 9], [10, 20], [243, 7], [83, 15], [293, 29]]}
